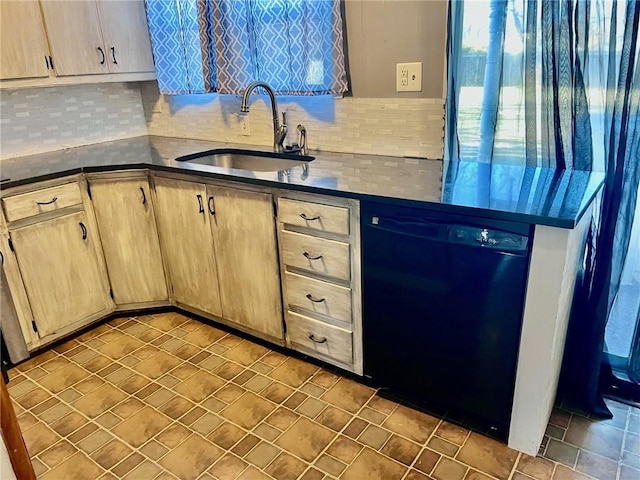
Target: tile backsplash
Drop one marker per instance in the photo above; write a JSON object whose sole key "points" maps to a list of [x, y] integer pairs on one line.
{"points": [[44, 119], [36, 120], [399, 127]]}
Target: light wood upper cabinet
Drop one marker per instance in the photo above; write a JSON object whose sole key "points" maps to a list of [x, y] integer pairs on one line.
{"points": [[23, 45], [127, 225], [61, 271], [73, 28], [98, 36], [126, 36], [187, 244], [247, 253]]}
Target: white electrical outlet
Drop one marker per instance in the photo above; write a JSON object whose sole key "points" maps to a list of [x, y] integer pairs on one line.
{"points": [[409, 77], [243, 124]]}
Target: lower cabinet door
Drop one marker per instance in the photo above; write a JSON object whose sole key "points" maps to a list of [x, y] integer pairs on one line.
{"points": [[62, 271], [127, 225], [245, 240], [185, 235]]}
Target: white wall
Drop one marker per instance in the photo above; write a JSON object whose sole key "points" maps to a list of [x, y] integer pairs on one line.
{"points": [[555, 259], [6, 470], [381, 33]]}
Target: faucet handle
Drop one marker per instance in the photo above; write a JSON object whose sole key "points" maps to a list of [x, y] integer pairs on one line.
{"points": [[280, 134], [303, 139]]}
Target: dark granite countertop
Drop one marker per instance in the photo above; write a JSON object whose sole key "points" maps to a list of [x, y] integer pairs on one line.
{"points": [[525, 194]]}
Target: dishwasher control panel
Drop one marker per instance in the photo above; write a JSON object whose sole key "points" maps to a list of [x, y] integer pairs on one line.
{"points": [[486, 237]]}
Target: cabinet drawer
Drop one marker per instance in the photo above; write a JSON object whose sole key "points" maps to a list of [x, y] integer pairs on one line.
{"points": [[34, 203], [317, 255], [319, 297], [316, 216], [325, 339]]}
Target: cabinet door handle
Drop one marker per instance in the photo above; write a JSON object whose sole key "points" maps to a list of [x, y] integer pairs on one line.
{"points": [[144, 196], [104, 58], [46, 60], [314, 300], [84, 231], [309, 219], [1, 258], [200, 206], [113, 55], [308, 256], [53, 200], [210, 204], [313, 338]]}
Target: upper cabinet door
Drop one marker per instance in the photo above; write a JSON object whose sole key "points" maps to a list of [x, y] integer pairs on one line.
{"points": [[244, 235], [130, 243], [73, 28], [187, 244], [126, 36], [23, 45]]}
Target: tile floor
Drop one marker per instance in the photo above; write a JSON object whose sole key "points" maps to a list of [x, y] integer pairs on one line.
{"points": [[165, 396]]}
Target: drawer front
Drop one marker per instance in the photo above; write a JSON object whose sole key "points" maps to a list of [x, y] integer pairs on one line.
{"points": [[325, 339], [324, 218], [317, 255], [319, 297], [34, 203]]}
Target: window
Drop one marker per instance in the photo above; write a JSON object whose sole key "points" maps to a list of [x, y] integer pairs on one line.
{"points": [[529, 77], [221, 46]]}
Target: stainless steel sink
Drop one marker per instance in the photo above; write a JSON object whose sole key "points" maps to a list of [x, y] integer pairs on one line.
{"points": [[247, 159]]}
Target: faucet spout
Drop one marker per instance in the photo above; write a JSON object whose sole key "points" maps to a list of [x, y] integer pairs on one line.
{"points": [[279, 131]]}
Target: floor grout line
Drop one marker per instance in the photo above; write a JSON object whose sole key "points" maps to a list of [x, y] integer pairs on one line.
{"points": [[92, 342]]}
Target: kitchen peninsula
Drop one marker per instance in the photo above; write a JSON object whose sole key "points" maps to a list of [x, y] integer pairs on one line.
{"points": [[556, 204]]}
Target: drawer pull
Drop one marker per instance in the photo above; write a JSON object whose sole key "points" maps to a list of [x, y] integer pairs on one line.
{"points": [[104, 59], [309, 257], [313, 338], [309, 219], [200, 206], [314, 300], [55, 199], [84, 231]]}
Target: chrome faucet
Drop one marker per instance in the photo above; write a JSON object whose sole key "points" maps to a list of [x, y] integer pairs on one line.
{"points": [[279, 131]]}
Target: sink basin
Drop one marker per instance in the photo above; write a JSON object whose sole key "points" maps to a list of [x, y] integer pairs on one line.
{"points": [[247, 159]]}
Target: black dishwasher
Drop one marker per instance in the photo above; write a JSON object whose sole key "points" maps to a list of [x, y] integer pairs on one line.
{"points": [[443, 298]]}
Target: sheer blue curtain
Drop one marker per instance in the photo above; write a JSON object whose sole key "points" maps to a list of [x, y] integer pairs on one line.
{"points": [[223, 45], [523, 97], [555, 85], [613, 233]]}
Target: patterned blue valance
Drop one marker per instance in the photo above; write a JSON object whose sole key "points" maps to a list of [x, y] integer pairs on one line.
{"points": [[223, 45]]}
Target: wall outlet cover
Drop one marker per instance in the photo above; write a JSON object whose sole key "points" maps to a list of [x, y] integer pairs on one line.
{"points": [[409, 77]]}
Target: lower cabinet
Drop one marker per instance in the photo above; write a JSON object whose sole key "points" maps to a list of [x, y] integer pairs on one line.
{"points": [[221, 253], [184, 220], [246, 248], [214, 249], [61, 269], [127, 224], [320, 257]]}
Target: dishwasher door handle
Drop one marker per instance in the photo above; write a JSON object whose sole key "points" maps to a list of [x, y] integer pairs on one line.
{"points": [[422, 229]]}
